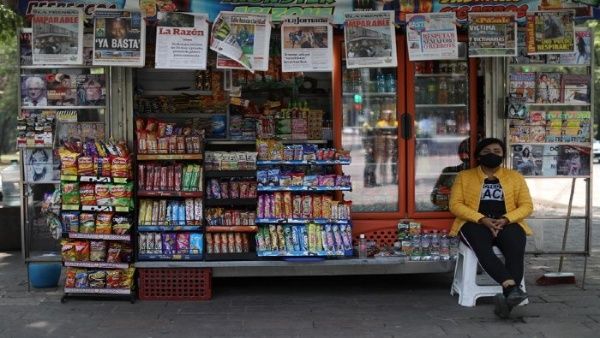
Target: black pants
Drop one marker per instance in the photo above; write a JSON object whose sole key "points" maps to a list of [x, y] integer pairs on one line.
{"points": [[510, 240]]}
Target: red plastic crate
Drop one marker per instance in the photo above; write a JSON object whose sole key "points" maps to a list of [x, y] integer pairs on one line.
{"points": [[175, 284]]}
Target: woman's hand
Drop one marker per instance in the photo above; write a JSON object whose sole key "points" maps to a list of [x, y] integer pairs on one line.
{"points": [[491, 224]]}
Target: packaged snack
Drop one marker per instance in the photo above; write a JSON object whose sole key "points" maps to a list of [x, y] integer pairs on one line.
{"points": [[103, 194], [326, 206], [339, 244], [295, 239], [267, 238], [280, 238], [324, 240], [113, 279], [317, 206], [310, 181], [127, 278], [346, 232], [102, 166], [156, 183], [121, 167], [262, 147], [196, 245], [278, 205], [273, 177], [70, 220], [285, 180], [81, 279], [251, 189], [306, 206], [104, 223], [260, 241], [149, 183], [326, 180], [87, 223], [162, 212], [70, 277], [155, 210], [70, 193], [68, 162], [180, 145], [157, 247], [330, 238], [234, 189], [97, 251], [114, 253], [262, 177], [87, 194], [224, 189], [143, 242], [238, 243], [85, 166], [198, 211], [68, 251], [273, 236], [312, 238], [414, 228], [224, 243], [183, 243], [209, 243], [97, 279], [169, 242], [82, 251], [343, 181], [231, 243], [318, 238], [297, 179], [289, 241], [304, 238], [148, 213], [297, 206], [335, 210], [287, 205], [181, 217]]}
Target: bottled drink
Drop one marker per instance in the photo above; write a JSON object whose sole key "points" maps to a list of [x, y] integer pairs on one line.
{"points": [[380, 82], [390, 83], [442, 97], [444, 246], [347, 81], [435, 246], [461, 92], [426, 246], [362, 247], [418, 92], [431, 92], [454, 242], [415, 243]]}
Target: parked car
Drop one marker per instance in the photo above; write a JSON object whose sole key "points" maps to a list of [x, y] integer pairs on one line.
{"points": [[596, 150]]}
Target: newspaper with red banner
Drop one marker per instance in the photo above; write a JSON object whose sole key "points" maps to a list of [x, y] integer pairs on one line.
{"points": [[243, 38], [181, 41], [370, 39], [57, 35]]}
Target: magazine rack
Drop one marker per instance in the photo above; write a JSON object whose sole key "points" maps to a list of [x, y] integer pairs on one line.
{"points": [[549, 123]]}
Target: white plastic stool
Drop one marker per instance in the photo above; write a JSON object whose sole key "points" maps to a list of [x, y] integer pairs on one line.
{"points": [[465, 278]]}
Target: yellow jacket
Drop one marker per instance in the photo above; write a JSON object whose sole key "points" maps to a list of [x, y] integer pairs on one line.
{"points": [[466, 192]]}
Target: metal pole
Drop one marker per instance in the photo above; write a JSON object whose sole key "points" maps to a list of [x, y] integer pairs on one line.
{"points": [[564, 241]]}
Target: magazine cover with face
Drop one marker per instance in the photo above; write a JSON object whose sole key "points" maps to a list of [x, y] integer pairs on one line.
{"points": [[39, 165]]}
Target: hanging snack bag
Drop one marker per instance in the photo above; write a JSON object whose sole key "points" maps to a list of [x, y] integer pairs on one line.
{"points": [[97, 251], [68, 162], [97, 279], [121, 225], [183, 243], [87, 223], [121, 167], [82, 251], [113, 279], [196, 245], [85, 166], [169, 242], [121, 194], [102, 166], [70, 193], [114, 253], [70, 277], [104, 222], [87, 193], [68, 251], [103, 195], [70, 220], [81, 279]]}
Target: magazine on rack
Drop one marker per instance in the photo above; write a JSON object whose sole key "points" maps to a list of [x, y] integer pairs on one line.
{"points": [[548, 87], [576, 126], [40, 166], [576, 88], [518, 131], [517, 108], [33, 91], [119, 38], [522, 56], [573, 161], [57, 35], [528, 159], [522, 85], [583, 49], [371, 41], [91, 90], [492, 34], [537, 118], [550, 32], [62, 89]]}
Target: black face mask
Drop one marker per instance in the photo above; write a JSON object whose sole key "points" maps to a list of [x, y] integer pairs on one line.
{"points": [[490, 160]]}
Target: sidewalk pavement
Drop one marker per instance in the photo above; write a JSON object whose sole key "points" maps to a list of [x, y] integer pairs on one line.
{"points": [[365, 306]]}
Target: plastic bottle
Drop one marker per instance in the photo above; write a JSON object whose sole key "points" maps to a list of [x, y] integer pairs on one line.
{"points": [[431, 92], [380, 82], [362, 247], [454, 241], [460, 92], [442, 97], [444, 246], [390, 83], [10, 177], [415, 244], [435, 246], [426, 246]]}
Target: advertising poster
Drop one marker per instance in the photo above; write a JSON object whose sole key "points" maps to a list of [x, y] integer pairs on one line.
{"points": [[57, 35], [33, 91], [119, 38], [550, 32], [39, 166], [181, 41], [431, 36], [306, 44], [492, 34], [25, 47], [370, 39], [243, 38], [583, 49]]}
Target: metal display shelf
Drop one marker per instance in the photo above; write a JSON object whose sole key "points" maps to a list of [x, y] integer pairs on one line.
{"points": [[76, 207], [62, 107], [151, 193], [229, 173], [562, 104], [126, 294], [302, 188], [230, 202], [188, 115], [106, 237], [301, 221], [145, 228], [168, 157], [303, 253], [190, 92], [232, 228], [97, 265], [372, 94], [93, 179], [167, 257], [303, 162], [327, 267]]}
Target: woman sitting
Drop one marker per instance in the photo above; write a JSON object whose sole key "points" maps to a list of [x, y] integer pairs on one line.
{"points": [[490, 204]]}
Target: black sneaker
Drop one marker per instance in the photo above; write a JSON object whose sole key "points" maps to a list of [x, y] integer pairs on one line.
{"points": [[501, 308], [515, 297]]}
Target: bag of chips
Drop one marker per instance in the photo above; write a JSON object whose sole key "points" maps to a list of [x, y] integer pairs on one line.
{"points": [[68, 162], [104, 222], [70, 192], [121, 225], [113, 279], [97, 251], [87, 193]]}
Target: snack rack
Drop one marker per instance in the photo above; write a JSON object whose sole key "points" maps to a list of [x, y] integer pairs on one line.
{"points": [[98, 252], [230, 202], [299, 218]]}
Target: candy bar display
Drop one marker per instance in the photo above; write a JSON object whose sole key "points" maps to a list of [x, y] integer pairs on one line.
{"points": [[157, 245], [170, 213], [158, 137], [301, 207], [311, 223], [227, 243], [229, 217], [169, 177], [310, 239], [35, 128], [230, 160], [296, 122], [230, 188]]}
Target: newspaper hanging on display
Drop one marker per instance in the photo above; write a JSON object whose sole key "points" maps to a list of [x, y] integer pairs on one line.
{"points": [[550, 32], [181, 41], [306, 44], [57, 35], [370, 39], [119, 38], [492, 34], [243, 38], [431, 36]]}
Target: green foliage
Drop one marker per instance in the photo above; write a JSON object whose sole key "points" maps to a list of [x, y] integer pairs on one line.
{"points": [[9, 78], [9, 22]]}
